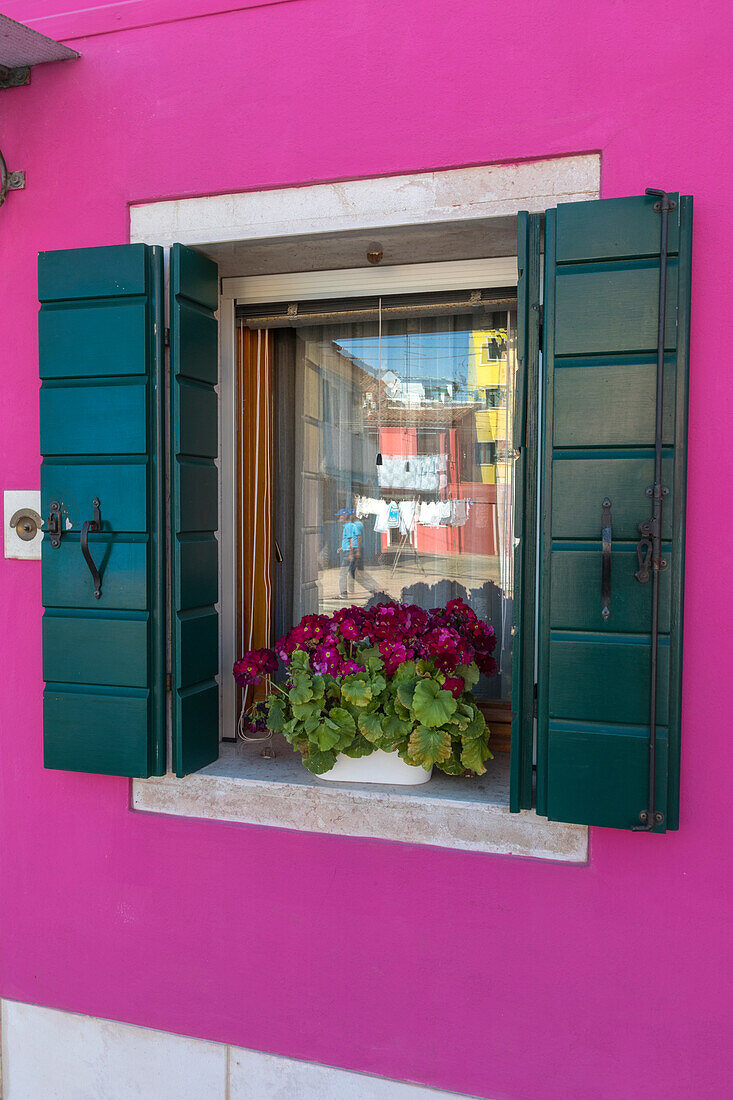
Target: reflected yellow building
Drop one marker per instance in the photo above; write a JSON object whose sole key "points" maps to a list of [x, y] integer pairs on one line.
{"points": [[487, 378]]}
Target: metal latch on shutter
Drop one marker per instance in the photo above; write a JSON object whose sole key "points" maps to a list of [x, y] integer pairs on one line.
{"points": [[649, 548]]}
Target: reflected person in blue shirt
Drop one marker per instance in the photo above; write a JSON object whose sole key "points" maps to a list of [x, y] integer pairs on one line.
{"points": [[352, 540]]}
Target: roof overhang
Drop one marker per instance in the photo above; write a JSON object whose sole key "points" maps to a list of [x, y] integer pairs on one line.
{"points": [[21, 48]]}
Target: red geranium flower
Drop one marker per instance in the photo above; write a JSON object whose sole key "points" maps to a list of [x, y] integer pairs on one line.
{"points": [[454, 684], [252, 668]]}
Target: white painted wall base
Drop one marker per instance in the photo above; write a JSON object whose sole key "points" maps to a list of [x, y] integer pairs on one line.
{"points": [[52, 1055]]}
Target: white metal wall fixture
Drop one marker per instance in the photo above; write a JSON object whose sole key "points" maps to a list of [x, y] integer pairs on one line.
{"points": [[20, 48]]}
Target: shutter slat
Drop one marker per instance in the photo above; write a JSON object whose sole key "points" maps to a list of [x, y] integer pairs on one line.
{"points": [[595, 386], [574, 589], [107, 338], [114, 419], [125, 565], [122, 486], [92, 649], [100, 342]]}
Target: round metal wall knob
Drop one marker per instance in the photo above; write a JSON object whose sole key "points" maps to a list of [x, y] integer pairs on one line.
{"points": [[27, 524]]}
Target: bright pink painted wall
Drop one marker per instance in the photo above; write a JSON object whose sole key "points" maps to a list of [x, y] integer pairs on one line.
{"points": [[547, 982]]}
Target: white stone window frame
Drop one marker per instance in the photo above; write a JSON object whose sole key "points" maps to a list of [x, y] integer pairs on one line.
{"points": [[254, 792]]}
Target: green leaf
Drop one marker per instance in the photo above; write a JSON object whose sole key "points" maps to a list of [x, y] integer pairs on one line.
{"points": [[298, 661], [319, 762], [333, 688], [371, 727], [432, 705], [327, 735], [301, 691], [343, 719], [428, 746], [476, 727], [469, 674], [311, 726], [403, 751], [356, 691], [378, 685], [275, 714], [346, 738], [474, 753], [396, 729], [406, 693], [390, 743], [373, 662], [359, 747], [462, 717], [304, 711], [451, 766], [405, 672], [402, 711]]}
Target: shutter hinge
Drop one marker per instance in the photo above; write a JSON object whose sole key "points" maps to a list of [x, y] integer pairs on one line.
{"points": [[168, 682], [167, 337]]}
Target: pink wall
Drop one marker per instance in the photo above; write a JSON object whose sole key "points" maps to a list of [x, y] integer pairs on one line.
{"points": [[547, 981]]}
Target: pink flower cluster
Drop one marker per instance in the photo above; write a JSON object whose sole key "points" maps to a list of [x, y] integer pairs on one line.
{"points": [[254, 721], [448, 636], [254, 666]]}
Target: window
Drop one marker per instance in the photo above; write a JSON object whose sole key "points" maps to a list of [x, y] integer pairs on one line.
{"points": [[583, 649], [433, 523]]}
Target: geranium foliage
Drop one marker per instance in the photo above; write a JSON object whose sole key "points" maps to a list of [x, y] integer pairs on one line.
{"points": [[392, 677]]}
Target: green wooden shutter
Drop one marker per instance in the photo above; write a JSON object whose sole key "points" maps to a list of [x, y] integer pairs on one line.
{"points": [[600, 341], [194, 289], [525, 509], [101, 354]]}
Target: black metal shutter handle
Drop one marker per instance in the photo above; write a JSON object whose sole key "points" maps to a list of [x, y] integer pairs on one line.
{"points": [[94, 524], [606, 539]]}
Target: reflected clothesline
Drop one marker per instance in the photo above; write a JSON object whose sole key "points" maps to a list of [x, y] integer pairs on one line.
{"points": [[407, 514]]}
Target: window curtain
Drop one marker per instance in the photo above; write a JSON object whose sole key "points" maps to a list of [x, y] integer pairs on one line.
{"points": [[255, 550]]}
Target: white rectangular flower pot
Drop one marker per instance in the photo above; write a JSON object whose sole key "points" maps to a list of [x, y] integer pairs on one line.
{"points": [[378, 767]]}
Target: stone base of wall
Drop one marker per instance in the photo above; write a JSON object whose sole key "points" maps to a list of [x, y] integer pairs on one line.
{"points": [[52, 1055]]}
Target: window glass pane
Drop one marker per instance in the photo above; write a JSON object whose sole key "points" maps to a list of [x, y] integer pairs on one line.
{"points": [[431, 522]]}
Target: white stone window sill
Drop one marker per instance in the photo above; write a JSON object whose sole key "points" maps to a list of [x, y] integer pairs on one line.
{"points": [[449, 811]]}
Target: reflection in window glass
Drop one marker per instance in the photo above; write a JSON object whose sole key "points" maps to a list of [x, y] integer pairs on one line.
{"points": [[434, 398]]}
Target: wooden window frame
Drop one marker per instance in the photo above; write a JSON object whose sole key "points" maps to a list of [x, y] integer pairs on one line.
{"points": [[498, 713]]}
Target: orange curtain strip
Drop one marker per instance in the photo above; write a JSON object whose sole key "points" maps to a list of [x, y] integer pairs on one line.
{"points": [[255, 548]]}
